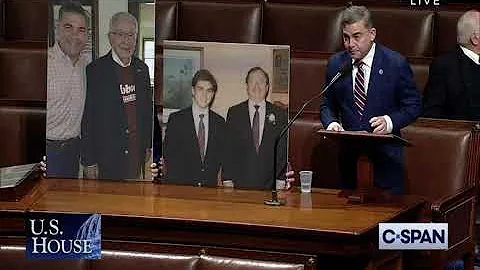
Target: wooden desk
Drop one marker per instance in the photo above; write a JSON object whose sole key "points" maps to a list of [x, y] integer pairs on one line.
{"points": [[12, 213], [320, 224]]}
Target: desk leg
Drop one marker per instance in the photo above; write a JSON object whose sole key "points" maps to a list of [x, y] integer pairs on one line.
{"points": [[366, 191], [364, 173]]}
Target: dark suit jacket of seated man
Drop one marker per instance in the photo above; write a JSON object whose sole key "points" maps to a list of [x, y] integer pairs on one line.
{"points": [[391, 93], [452, 90], [247, 167]]}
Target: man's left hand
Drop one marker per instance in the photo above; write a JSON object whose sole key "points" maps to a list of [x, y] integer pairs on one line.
{"points": [[289, 176], [290, 179], [379, 124]]}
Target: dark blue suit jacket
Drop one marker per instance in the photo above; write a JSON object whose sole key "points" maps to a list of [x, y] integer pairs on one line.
{"points": [[391, 91], [450, 90]]}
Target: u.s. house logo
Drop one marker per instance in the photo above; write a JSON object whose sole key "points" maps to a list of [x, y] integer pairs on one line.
{"points": [[63, 236]]}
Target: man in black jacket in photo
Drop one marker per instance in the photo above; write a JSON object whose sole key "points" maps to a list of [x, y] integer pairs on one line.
{"points": [[117, 122], [194, 138]]}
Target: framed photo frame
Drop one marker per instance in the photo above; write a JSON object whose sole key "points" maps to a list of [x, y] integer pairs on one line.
{"points": [[91, 6], [179, 65], [240, 74], [281, 70]]}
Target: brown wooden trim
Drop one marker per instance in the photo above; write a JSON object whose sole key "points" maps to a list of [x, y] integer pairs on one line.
{"points": [[23, 103]]}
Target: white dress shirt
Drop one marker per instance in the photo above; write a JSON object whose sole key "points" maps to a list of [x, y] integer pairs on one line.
{"points": [[262, 110], [367, 68], [118, 61], [196, 111], [471, 54]]}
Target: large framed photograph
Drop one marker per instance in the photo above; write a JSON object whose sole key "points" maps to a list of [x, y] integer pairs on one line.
{"points": [[224, 98], [91, 7]]}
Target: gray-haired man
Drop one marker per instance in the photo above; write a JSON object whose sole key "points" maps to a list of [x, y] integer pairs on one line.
{"points": [[117, 123], [452, 88]]}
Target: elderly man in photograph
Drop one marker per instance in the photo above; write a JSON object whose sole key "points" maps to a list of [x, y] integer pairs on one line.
{"points": [[117, 123], [253, 125], [66, 92]]}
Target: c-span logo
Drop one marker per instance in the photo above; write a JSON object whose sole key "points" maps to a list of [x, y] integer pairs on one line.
{"points": [[63, 236], [420, 236]]}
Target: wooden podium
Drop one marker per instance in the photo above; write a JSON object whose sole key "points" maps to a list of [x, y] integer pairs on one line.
{"points": [[366, 190]]}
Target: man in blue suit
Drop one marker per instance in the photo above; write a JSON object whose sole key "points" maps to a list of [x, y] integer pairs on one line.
{"points": [[380, 96]]}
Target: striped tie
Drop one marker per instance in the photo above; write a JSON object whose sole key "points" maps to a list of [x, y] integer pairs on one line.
{"points": [[359, 94], [256, 128], [201, 137]]}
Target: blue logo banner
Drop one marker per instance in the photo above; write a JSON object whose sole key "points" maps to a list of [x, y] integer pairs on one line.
{"points": [[63, 236]]}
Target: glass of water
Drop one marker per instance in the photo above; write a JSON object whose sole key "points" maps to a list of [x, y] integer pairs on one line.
{"points": [[306, 181]]}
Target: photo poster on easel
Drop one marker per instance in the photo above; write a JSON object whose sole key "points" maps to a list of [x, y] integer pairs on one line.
{"points": [[100, 74], [223, 105]]}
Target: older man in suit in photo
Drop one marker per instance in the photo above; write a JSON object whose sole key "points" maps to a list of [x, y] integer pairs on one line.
{"points": [[253, 126], [380, 96]]}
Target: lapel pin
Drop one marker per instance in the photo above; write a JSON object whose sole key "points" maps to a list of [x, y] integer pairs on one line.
{"points": [[380, 72]]}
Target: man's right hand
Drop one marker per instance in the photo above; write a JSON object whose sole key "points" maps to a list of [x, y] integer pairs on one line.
{"points": [[157, 169], [90, 172], [43, 166], [334, 126]]}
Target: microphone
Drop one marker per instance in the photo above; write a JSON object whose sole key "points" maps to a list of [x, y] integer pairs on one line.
{"points": [[345, 69]]}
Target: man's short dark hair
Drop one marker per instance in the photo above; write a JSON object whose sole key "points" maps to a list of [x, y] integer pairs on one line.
{"points": [[353, 14], [252, 70], [204, 75], [73, 7]]}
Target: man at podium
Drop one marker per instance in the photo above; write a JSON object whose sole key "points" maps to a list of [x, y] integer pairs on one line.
{"points": [[380, 96]]}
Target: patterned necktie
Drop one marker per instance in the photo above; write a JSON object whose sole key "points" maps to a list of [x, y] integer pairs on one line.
{"points": [[256, 128], [201, 136], [359, 94]]}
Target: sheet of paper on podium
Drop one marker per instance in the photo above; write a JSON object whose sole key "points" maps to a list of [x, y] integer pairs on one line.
{"points": [[364, 137]]}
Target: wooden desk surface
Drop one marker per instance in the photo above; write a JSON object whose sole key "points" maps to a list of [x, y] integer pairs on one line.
{"points": [[320, 223], [319, 212]]}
